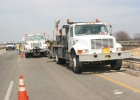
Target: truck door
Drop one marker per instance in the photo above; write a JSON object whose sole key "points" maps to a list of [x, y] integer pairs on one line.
{"points": [[70, 38]]}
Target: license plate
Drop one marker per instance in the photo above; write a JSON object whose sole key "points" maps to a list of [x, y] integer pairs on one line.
{"points": [[105, 50]]}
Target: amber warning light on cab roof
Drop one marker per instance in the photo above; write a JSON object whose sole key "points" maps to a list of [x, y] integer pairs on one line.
{"points": [[97, 20], [68, 21]]}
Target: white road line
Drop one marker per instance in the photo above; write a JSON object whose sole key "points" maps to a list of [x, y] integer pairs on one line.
{"points": [[9, 91], [121, 73], [19, 59], [118, 93], [106, 73]]}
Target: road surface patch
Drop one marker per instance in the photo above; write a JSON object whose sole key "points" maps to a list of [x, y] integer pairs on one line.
{"points": [[114, 81], [119, 83]]}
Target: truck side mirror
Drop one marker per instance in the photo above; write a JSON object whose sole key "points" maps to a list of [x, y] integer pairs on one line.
{"points": [[63, 32], [109, 29]]}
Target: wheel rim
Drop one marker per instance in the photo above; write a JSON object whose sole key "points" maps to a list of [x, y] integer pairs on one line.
{"points": [[74, 64], [56, 58]]}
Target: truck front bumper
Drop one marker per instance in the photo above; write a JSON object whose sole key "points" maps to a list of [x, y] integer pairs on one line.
{"points": [[10, 47], [103, 57], [35, 50]]}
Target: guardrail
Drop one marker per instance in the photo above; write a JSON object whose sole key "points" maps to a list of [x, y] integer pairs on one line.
{"points": [[2, 46], [132, 60], [129, 42], [127, 45]]}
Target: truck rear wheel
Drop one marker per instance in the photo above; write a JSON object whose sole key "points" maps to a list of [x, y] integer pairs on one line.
{"points": [[26, 55], [45, 54], [49, 56], [116, 64], [76, 66]]}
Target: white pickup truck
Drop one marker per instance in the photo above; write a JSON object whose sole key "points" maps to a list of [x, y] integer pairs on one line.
{"points": [[10, 46]]}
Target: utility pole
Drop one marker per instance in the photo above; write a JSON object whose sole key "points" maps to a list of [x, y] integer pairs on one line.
{"points": [[53, 35], [48, 37]]}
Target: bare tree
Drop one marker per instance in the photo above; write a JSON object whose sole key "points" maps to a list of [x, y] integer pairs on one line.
{"points": [[137, 36], [121, 36]]}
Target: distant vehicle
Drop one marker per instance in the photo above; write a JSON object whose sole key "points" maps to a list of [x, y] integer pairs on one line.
{"points": [[10, 46]]}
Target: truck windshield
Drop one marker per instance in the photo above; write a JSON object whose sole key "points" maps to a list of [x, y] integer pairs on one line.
{"points": [[93, 29], [35, 38], [10, 44]]}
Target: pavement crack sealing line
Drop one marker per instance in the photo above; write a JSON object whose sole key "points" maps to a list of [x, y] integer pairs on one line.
{"points": [[114, 81]]}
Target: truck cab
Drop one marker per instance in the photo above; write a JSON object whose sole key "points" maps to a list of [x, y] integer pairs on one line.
{"points": [[35, 44]]}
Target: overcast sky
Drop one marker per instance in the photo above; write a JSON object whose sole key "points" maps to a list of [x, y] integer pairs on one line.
{"points": [[20, 17]]}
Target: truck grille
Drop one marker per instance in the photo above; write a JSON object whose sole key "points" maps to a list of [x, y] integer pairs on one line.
{"points": [[100, 43], [33, 45]]}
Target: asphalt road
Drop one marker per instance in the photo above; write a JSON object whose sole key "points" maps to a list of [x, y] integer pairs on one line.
{"points": [[45, 80]]}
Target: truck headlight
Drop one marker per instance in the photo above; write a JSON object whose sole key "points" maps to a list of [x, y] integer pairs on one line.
{"points": [[82, 51], [120, 49]]}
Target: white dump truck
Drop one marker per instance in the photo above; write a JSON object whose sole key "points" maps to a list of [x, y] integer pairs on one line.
{"points": [[35, 45], [85, 44]]}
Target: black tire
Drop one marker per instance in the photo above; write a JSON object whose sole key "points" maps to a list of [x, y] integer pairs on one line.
{"points": [[116, 64], [63, 61], [45, 54], [76, 65], [26, 55], [49, 56], [6, 49]]}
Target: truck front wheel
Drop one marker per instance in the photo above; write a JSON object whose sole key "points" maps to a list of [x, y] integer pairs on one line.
{"points": [[116, 64], [76, 65]]}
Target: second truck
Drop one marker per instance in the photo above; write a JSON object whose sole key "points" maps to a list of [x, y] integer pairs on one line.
{"points": [[35, 45], [85, 44]]}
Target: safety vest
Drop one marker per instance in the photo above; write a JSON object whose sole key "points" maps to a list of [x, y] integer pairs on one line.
{"points": [[17, 46], [48, 44]]}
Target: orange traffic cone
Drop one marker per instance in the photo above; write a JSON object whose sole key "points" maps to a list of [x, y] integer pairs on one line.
{"points": [[22, 95], [21, 54]]}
